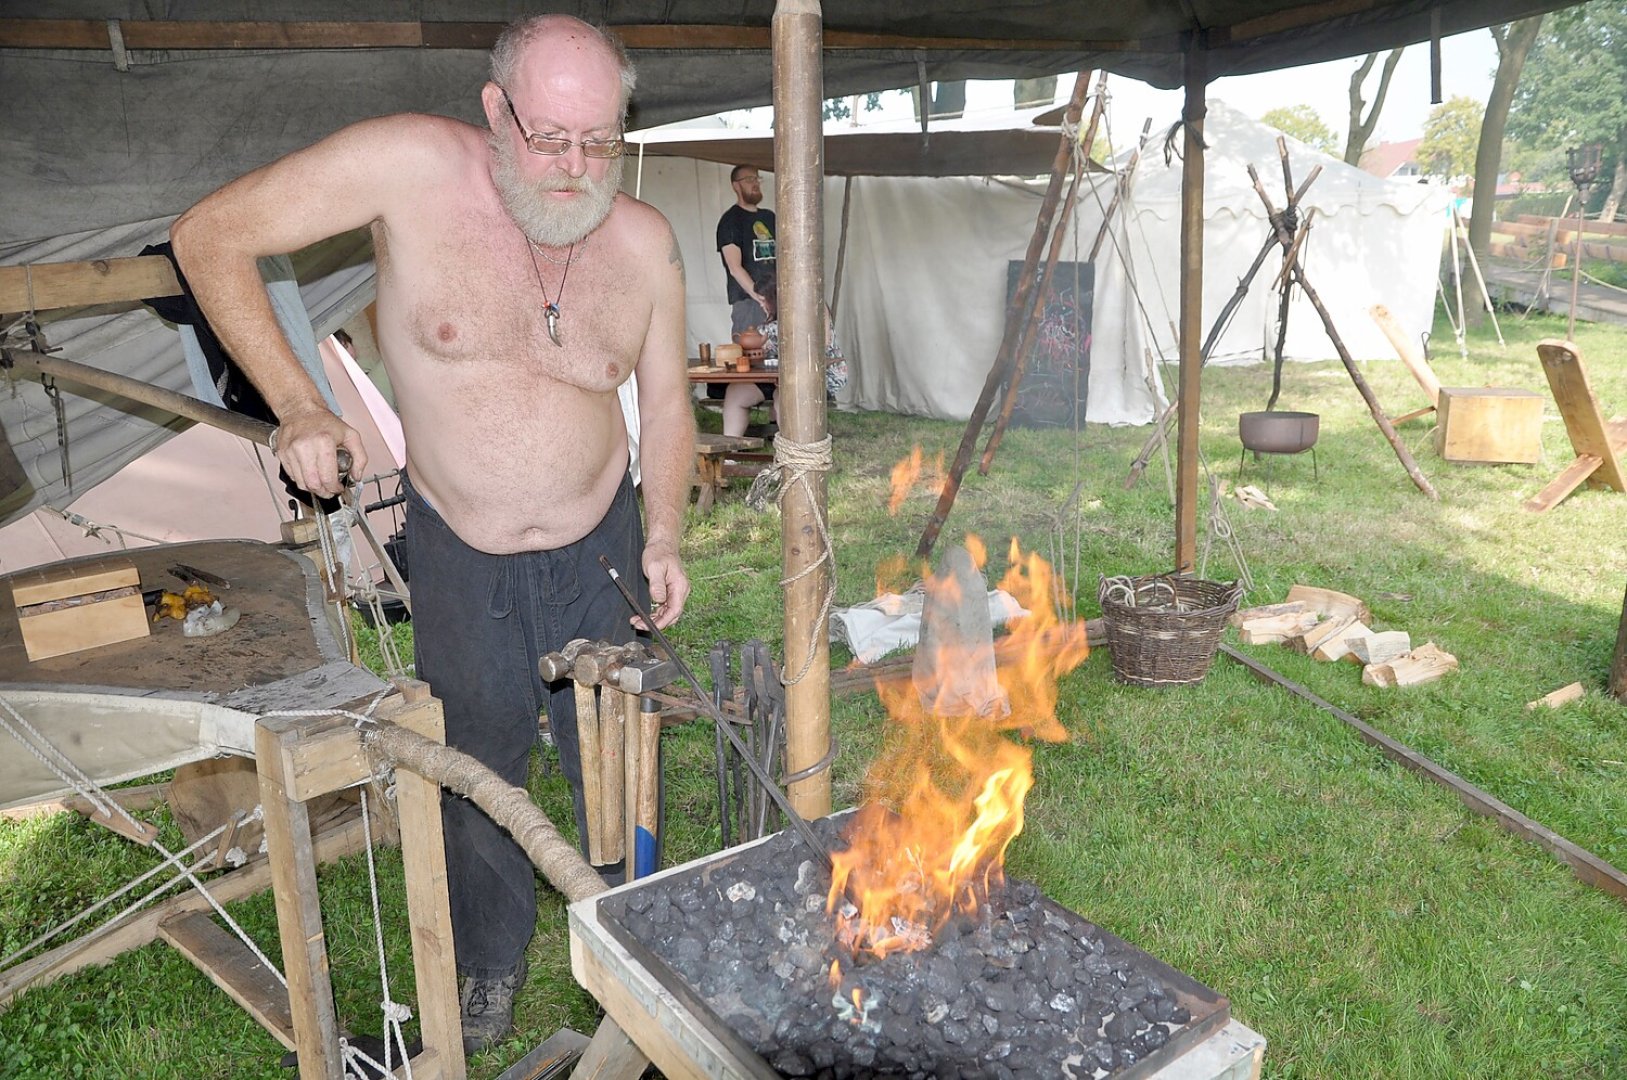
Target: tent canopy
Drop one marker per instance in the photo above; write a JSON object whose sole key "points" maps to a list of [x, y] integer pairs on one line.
{"points": [[117, 121], [99, 134]]}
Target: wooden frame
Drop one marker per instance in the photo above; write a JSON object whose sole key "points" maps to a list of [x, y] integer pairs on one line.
{"points": [[298, 759]]}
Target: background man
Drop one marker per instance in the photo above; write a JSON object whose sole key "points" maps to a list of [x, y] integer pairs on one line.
{"points": [[745, 240], [517, 289]]}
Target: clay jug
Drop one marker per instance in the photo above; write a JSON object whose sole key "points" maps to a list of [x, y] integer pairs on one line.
{"points": [[751, 339]]}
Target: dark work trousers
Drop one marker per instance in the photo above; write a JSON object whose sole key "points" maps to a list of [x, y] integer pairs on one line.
{"points": [[479, 624]]}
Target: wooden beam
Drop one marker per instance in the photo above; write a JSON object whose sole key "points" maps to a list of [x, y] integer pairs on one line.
{"points": [[1191, 309], [312, 34], [104, 945], [804, 545], [231, 966], [79, 284], [1587, 867], [1618, 665]]}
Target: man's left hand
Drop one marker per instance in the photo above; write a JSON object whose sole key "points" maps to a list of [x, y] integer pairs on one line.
{"points": [[669, 585]]}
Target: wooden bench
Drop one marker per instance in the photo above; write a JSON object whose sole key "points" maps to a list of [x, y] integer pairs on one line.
{"points": [[1599, 444], [710, 452]]}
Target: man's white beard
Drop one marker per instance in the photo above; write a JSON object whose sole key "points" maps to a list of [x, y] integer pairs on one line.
{"points": [[548, 221]]}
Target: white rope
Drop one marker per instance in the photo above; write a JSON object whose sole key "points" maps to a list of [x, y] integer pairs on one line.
{"points": [[95, 529], [793, 462], [395, 1013]]}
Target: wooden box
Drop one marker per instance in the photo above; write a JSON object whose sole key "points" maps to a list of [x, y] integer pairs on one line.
{"points": [[1489, 424], [64, 609]]}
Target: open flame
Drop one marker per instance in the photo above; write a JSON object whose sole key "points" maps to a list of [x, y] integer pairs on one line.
{"points": [[914, 470], [945, 798]]}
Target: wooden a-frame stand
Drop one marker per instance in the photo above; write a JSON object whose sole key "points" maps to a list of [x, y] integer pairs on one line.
{"points": [[300, 758], [1599, 445]]}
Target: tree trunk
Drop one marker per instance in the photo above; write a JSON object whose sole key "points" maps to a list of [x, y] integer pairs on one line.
{"points": [[1618, 180], [1362, 128], [1514, 42]]}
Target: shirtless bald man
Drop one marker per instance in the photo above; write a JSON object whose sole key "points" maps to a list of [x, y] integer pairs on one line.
{"points": [[517, 289]]}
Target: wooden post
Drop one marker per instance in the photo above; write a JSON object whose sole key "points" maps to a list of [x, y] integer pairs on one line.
{"points": [[1191, 307], [841, 245], [1016, 315], [798, 38], [1618, 666], [299, 914]]}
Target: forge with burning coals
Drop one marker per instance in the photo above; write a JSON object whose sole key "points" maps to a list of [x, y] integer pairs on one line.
{"points": [[908, 952]]}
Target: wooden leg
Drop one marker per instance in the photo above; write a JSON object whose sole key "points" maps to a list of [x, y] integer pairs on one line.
{"points": [[610, 1056], [1562, 485], [1618, 667]]}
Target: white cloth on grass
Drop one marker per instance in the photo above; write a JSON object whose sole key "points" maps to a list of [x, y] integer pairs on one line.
{"points": [[892, 621]]}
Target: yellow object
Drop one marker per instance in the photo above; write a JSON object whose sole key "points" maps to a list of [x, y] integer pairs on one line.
{"points": [[197, 596], [170, 604]]}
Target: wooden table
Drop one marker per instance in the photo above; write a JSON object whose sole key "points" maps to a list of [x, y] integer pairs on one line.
{"points": [[756, 374]]}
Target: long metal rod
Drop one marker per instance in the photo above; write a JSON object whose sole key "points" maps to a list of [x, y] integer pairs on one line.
{"points": [[722, 722], [1587, 866]]}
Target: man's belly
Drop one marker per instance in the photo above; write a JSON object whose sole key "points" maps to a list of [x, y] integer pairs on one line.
{"points": [[509, 491]]}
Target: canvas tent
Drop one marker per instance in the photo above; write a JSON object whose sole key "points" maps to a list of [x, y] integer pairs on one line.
{"points": [[115, 128]]}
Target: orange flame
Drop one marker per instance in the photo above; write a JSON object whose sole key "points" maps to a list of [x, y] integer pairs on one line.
{"points": [[945, 799], [911, 470]]}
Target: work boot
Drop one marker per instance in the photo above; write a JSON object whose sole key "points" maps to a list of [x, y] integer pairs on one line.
{"points": [[487, 1009]]}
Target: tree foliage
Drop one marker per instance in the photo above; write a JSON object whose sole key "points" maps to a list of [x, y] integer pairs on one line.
{"points": [[1451, 136], [1574, 87], [1305, 124]]}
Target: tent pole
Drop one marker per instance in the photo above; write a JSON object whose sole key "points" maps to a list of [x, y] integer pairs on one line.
{"points": [[798, 189], [1017, 309], [841, 245], [1191, 301], [170, 401], [1008, 399]]}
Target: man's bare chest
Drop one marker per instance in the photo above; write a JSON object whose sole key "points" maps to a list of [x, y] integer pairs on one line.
{"points": [[471, 298]]}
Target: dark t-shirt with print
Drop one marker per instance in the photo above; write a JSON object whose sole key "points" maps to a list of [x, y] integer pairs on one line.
{"points": [[752, 231]]}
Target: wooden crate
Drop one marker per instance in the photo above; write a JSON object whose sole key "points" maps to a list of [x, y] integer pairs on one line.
{"points": [[1494, 424], [68, 608]]}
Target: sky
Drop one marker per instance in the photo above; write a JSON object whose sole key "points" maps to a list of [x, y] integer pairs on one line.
{"points": [[1468, 62]]}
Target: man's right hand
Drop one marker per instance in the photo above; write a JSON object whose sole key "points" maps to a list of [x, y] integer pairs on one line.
{"points": [[307, 447]]}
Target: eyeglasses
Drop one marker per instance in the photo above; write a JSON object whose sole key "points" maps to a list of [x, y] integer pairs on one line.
{"points": [[554, 147]]}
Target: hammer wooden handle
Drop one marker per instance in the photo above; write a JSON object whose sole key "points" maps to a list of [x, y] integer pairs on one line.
{"points": [[587, 741], [612, 744]]}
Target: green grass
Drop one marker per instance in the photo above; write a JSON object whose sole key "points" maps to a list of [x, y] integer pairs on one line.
{"points": [[1356, 914]]}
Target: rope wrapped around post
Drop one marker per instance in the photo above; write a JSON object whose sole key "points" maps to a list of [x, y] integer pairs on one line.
{"points": [[511, 807], [793, 461]]}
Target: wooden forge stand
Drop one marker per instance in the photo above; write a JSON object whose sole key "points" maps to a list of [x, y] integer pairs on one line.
{"points": [[301, 758], [680, 1042]]}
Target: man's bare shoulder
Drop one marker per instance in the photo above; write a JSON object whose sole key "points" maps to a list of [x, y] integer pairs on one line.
{"points": [[642, 229], [428, 146]]}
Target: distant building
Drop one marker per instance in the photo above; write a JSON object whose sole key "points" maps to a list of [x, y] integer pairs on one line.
{"points": [[1393, 160]]}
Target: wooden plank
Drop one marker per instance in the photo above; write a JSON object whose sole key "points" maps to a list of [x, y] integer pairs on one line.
{"points": [[1330, 602], [1409, 352], [1562, 485], [611, 1055], [87, 625], [1567, 377], [231, 966], [43, 286], [104, 945], [299, 912], [1555, 698], [1587, 866], [1618, 666], [1492, 424], [310, 756], [143, 797], [423, 857], [220, 34], [56, 581]]}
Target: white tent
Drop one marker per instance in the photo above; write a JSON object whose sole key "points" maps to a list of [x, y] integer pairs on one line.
{"points": [[922, 304]]}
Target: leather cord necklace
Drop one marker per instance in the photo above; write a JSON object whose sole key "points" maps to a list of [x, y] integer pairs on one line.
{"points": [[550, 308]]}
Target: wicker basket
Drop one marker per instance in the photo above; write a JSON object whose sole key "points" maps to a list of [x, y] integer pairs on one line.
{"points": [[1164, 629]]}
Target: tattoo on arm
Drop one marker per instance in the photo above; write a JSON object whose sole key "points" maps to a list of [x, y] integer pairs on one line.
{"points": [[676, 257]]}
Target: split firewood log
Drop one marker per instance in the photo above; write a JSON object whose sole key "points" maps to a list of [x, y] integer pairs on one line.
{"points": [[1337, 646], [1330, 602], [1238, 618], [1308, 642], [1275, 629], [1424, 664], [1563, 696], [1381, 648]]}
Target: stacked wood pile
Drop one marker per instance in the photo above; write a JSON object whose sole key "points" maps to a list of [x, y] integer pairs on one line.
{"points": [[1332, 626], [1531, 238]]}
